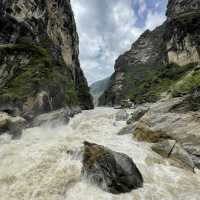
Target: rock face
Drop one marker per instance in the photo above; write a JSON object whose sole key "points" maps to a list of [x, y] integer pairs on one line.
{"points": [[39, 65], [172, 149], [181, 8], [164, 122], [131, 68], [12, 125], [55, 118], [159, 58], [112, 171]]}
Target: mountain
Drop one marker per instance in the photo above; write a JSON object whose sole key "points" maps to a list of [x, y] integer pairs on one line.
{"points": [[160, 61], [98, 88], [39, 57]]}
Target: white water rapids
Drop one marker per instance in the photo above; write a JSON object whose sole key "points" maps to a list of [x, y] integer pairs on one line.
{"points": [[37, 167]]}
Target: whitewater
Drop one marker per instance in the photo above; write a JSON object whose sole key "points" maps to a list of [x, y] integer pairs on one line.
{"points": [[38, 166]]}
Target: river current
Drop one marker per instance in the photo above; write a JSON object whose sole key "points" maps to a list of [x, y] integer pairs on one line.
{"points": [[38, 167]]}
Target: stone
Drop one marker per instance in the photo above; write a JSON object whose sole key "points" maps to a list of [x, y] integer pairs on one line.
{"points": [[144, 133], [162, 122], [173, 150], [164, 148], [3, 122], [16, 126], [112, 171], [122, 115], [12, 125], [55, 118], [137, 114], [129, 129], [180, 154]]}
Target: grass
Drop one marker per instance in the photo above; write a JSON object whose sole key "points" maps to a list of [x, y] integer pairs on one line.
{"points": [[43, 71], [187, 84], [146, 83]]}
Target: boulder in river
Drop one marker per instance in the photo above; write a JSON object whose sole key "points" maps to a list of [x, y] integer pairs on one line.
{"points": [[129, 129], [112, 171], [12, 125], [61, 116]]}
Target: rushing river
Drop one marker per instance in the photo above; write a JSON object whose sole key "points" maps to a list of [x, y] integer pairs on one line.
{"points": [[37, 166]]}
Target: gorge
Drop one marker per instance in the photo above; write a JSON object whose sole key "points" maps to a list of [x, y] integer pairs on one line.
{"points": [[55, 146]]}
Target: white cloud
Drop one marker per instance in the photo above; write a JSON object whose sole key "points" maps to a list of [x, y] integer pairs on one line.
{"points": [[106, 29], [142, 7], [154, 19]]}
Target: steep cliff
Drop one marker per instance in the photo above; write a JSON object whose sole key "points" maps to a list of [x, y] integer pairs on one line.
{"points": [[39, 64], [160, 59]]}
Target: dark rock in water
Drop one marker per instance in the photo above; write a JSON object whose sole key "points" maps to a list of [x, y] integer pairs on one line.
{"points": [[112, 171]]}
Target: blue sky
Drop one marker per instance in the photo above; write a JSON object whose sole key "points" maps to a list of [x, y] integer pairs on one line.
{"points": [[107, 28]]}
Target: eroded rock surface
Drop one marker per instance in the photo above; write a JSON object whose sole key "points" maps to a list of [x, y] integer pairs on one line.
{"points": [[112, 171], [160, 58], [161, 122], [39, 63]]}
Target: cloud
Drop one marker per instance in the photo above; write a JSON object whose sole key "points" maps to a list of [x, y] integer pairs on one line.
{"points": [[106, 29], [154, 19]]}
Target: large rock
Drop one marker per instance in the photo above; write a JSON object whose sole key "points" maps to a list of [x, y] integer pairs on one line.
{"points": [[144, 133], [112, 171], [172, 149], [3, 122], [160, 123], [55, 118], [137, 114], [129, 129]]}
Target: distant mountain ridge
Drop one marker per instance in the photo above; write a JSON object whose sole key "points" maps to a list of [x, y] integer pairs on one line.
{"points": [[98, 88]]}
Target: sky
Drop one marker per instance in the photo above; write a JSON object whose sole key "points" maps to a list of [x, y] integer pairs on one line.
{"points": [[107, 28]]}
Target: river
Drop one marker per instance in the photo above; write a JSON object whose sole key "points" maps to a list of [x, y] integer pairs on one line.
{"points": [[37, 166]]}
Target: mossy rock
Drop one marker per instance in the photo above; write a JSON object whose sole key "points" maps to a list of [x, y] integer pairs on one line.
{"points": [[144, 133]]}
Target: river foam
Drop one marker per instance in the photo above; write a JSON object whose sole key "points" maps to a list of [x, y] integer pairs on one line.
{"points": [[37, 166]]}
